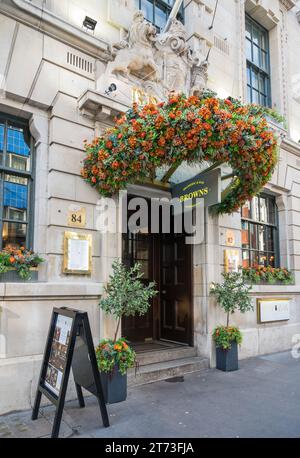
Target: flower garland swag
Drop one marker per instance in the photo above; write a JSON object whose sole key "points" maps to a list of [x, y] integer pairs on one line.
{"points": [[186, 129]]}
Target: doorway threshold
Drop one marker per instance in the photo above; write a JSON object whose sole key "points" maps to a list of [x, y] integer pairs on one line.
{"points": [[155, 345]]}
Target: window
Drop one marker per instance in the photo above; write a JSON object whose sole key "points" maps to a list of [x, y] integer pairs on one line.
{"points": [[258, 63], [16, 183], [157, 11], [260, 232]]}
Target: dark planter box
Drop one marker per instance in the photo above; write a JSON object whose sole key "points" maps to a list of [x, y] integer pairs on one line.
{"points": [[114, 386], [12, 277], [227, 360]]}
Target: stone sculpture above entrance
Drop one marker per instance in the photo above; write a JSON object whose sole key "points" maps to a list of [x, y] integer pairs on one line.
{"points": [[151, 65]]}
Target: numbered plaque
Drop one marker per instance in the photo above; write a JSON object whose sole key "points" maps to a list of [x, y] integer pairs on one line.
{"points": [[77, 253], [77, 216]]}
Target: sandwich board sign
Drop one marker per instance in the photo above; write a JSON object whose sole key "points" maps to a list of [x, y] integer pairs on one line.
{"points": [[69, 331]]}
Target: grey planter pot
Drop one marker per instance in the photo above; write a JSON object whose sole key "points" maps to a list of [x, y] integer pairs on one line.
{"points": [[227, 360], [114, 386], [12, 277]]}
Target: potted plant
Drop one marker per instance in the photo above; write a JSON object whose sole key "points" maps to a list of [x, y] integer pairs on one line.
{"points": [[269, 275], [125, 295], [18, 264], [231, 295]]}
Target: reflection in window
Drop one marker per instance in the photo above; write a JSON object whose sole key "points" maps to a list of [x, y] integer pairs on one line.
{"points": [[158, 11], [260, 232], [15, 184], [258, 71]]}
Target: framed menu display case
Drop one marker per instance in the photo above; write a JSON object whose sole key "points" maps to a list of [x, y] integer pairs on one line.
{"points": [[77, 253]]}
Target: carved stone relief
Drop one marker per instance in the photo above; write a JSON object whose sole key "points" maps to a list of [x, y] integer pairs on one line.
{"points": [[155, 63]]}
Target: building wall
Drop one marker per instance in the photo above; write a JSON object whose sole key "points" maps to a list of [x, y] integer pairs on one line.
{"points": [[47, 62]]}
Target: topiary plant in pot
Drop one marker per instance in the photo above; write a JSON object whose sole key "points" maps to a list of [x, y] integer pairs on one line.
{"points": [[125, 295], [232, 295]]}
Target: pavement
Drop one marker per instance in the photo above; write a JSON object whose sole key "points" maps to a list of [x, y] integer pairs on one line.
{"points": [[260, 400]]}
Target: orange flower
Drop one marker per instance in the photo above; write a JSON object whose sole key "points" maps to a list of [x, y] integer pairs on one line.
{"points": [[12, 259], [115, 165]]}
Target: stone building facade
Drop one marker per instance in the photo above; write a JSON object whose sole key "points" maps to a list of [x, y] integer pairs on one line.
{"points": [[55, 76]]}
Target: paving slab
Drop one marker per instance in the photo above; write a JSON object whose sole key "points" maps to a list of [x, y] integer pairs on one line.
{"points": [[261, 399]]}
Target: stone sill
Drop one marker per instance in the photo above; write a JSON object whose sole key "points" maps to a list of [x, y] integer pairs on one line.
{"points": [[23, 291], [275, 289], [60, 28]]}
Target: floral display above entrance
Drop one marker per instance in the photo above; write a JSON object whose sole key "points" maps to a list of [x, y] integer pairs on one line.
{"points": [[186, 129]]}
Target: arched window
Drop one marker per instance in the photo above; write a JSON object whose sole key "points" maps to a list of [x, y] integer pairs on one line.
{"points": [[16, 183]]}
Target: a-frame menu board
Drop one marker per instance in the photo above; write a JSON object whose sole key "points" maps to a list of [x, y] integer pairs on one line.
{"points": [[66, 327]]}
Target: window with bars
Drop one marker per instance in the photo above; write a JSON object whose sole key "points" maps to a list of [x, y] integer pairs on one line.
{"points": [[260, 232], [16, 183], [158, 11], [258, 63]]}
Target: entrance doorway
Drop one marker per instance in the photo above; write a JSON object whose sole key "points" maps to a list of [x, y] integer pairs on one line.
{"points": [[167, 260]]}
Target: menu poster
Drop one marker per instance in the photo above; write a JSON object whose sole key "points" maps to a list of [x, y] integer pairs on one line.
{"points": [[77, 253], [231, 260], [58, 354]]}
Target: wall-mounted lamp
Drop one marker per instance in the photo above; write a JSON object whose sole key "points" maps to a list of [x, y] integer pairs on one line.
{"points": [[112, 88], [89, 23]]}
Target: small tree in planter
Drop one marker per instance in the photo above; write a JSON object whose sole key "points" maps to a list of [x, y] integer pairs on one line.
{"points": [[232, 295], [126, 295]]}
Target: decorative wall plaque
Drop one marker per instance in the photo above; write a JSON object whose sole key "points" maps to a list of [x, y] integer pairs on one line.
{"points": [[231, 260], [77, 253], [273, 309], [230, 238]]}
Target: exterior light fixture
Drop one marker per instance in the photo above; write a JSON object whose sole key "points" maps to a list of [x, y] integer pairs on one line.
{"points": [[89, 23], [112, 88]]}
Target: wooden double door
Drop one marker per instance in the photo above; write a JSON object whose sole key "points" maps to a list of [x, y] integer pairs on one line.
{"points": [[167, 260]]}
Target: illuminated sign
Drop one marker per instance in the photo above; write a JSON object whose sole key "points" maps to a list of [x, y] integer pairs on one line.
{"points": [[203, 186]]}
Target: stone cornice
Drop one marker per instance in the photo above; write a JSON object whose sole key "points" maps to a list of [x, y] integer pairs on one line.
{"points": [[100, 107], [54, 26], [289, 4], [290, 146]]}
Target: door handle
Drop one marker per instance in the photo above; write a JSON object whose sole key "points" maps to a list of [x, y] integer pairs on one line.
{"points": [[164, 291]]}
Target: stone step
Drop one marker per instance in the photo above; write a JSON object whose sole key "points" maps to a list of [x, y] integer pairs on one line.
{"points": [[168, 354], [165, 370]]}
